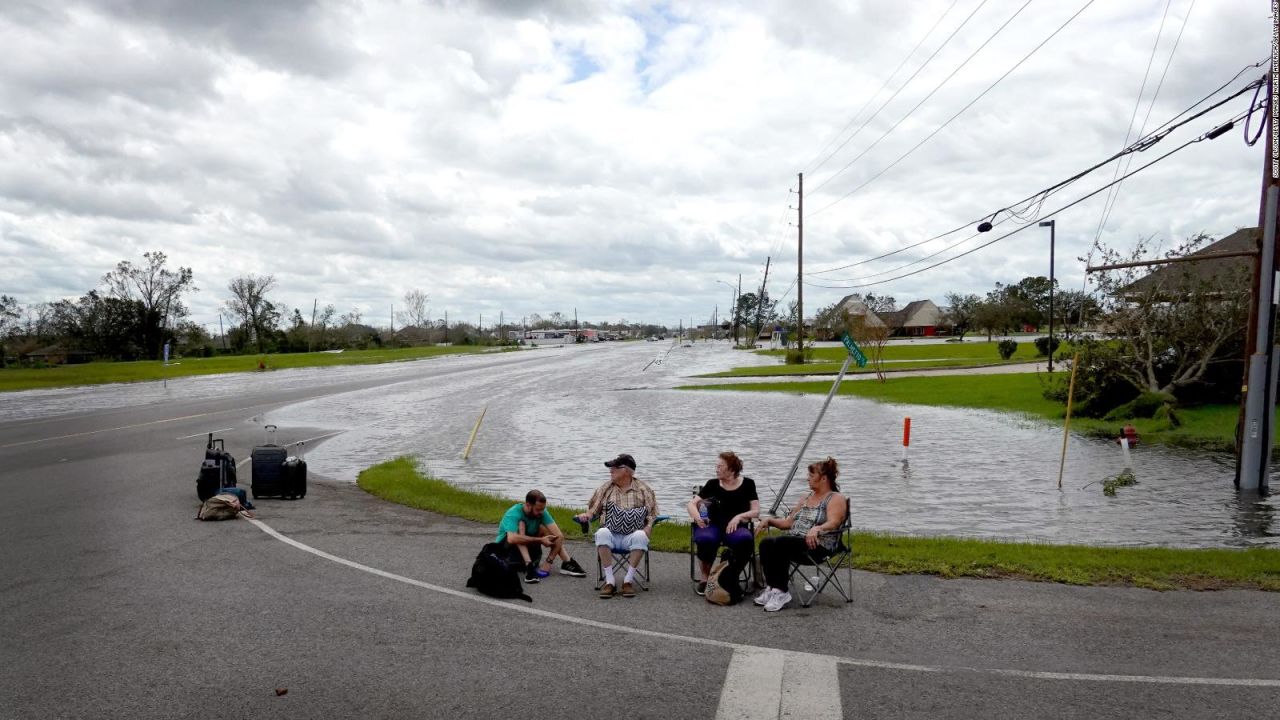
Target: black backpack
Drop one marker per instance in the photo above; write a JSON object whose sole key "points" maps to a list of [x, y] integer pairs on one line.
{"points": [[494, 575]]}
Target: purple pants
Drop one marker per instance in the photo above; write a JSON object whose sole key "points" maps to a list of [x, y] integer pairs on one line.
{"points": [[708, 540]]}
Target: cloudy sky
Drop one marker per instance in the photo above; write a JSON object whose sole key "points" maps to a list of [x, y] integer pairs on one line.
{"points": [[624, 159]]}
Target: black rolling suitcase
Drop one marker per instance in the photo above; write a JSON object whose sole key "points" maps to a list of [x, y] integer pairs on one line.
{"points": [[217, 471], [268, 462]]}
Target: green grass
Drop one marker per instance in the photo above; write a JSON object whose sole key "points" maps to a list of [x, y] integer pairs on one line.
{"points": [[1210, 427], [400, 481], [97, 373], [827, 360]]}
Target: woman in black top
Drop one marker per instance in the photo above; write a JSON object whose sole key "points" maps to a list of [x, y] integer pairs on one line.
{"points": [[731, 502]]}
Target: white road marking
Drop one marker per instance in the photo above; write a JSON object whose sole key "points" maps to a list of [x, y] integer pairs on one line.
{"points": [[126, 427], [520, 607], [810, 688], [752, 685], [188, 437]]}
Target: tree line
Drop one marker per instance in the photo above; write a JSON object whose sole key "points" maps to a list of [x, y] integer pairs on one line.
{"points": [[139, 307]]}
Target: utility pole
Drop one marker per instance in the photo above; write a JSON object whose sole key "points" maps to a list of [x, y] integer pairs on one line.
{"points": [[393, 318], [760, 299], [315, 303], [800, 273], [1259, 396], [1053, 228], [446, 327], [736, 314]]}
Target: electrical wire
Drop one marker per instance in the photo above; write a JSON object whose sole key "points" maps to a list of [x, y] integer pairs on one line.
{"points": [[1037, 199], [962, 110], [1114, 196], [890, 79], [936, 88], [1180, 148]]}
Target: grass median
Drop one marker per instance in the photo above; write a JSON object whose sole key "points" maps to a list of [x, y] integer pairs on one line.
{"points": [[897, 356], [99, 373], [1203, 427], [400, 481]]}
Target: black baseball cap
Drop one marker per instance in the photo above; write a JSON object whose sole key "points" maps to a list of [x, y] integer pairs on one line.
{"points": [[623, 459]]}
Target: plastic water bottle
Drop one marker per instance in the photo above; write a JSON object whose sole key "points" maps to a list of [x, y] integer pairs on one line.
{"points": [[702, 511]]}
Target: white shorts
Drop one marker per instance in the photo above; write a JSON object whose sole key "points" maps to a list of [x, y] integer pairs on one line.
{"points": [[635, 541]]}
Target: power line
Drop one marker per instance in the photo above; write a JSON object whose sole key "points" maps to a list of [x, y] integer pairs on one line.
{"points": [[889, 80], [1036, 199], [1114, 196], [962, 110], [936, 88], [1216, 132]]}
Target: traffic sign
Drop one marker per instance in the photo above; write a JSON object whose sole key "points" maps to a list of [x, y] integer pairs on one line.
{"points": [[853, 349]]}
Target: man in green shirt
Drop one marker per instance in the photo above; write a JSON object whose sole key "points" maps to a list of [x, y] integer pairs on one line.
{"points": [[528, 527]]}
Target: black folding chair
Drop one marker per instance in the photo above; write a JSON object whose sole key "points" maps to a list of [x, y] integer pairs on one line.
{"points": [[826, 567]]}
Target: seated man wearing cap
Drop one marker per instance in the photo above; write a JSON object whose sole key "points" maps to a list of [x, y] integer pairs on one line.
{"points": [[528, 527], [627, 509]]}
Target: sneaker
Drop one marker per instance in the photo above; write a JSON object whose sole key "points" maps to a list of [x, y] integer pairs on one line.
{"points": [[533, 574], [629, 590], [701, 588], [606, 591], [571, 567], [763, 598], [778, 601]]}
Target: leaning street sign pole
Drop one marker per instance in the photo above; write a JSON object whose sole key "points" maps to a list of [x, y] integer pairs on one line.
{"points": [[855, 353]]}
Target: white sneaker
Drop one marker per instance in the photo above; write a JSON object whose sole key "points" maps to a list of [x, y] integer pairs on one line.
{"points": [[763, 598], [778, 601]]}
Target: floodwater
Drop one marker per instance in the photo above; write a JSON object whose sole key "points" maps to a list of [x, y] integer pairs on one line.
{"points": [[554, 415]]}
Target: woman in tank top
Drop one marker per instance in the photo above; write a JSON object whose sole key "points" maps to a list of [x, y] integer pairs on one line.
{"points": [[813, 527]]}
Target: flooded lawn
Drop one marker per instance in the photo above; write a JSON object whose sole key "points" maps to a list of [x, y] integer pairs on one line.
{"points": [[973, 473]]}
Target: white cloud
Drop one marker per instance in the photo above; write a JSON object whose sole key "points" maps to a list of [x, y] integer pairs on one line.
{"points": [[619, 158]]}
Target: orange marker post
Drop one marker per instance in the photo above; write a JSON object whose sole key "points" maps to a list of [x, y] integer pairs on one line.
{"points": [[906, 437]]}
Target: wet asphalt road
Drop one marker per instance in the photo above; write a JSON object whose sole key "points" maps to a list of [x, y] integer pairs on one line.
{"points": [[118, 604]]}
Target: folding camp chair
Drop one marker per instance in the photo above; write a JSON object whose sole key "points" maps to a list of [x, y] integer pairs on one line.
{"points": [[825, 568], [620, 559]]}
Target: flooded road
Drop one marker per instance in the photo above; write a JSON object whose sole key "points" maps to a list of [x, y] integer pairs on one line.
{"points": [[555, 414]]}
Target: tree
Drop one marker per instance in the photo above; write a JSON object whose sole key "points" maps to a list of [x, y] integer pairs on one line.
{"points": [[1172, 322], [323, 321], [8, 323], [417, 311], [758, 311], [107, 326], [158, 289], [1073, 309], [962, 311], [249, 302]]}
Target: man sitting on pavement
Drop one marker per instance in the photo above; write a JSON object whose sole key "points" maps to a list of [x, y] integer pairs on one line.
{"points": [[528, 527], [627, 509]]}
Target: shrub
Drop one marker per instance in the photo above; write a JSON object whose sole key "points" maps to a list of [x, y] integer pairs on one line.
{"points": [[1006, 348], [1042, 346], [799, 357]]}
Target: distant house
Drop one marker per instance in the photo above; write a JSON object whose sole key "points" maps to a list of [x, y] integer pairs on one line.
{"points": [[1181, 278], [57, 355], [919, 318], [856, 308]]}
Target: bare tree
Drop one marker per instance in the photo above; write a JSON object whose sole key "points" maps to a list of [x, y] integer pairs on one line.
{"points": [[249, 303], [417, 311], [158, 289], [8, 322], [962, 312]]}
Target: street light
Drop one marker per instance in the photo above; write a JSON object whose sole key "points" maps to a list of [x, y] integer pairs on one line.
{"points": [[1052, 229], [735, 310]]}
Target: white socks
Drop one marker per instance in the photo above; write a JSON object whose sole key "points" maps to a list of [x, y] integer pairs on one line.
{"points": [[608, 575], [631, 574]]}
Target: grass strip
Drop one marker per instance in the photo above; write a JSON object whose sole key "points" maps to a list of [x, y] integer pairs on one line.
{"points": [[1203, 427], [400, 481], [99, 373], [827, 360]]}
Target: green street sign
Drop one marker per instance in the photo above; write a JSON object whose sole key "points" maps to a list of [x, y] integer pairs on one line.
{"points": [[853, 349]]}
